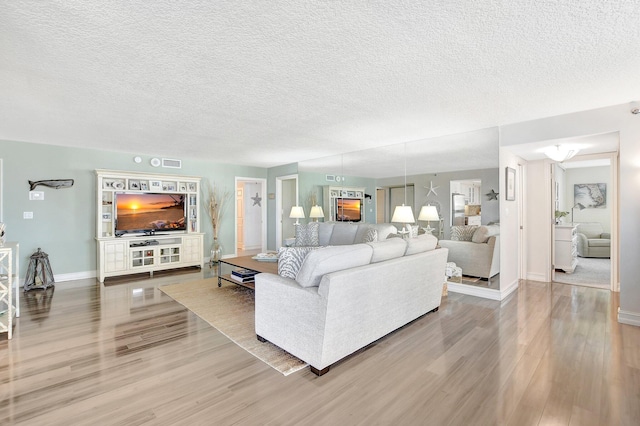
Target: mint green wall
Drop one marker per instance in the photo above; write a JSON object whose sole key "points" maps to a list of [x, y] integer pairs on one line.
{"points": [[272, 174], [309, 183], [63, 225]]}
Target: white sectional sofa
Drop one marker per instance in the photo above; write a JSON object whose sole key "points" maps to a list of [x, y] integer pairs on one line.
{"points": [[476, 251], [345, 297]]}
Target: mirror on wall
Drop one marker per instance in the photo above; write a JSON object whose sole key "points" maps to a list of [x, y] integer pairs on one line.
{"points": [[466, 202], [431, 165]]}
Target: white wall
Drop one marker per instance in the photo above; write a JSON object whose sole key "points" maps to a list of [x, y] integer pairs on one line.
{"points": [[613, 119], [589, 175], [509, 226], [252, 216], [538, 220]]}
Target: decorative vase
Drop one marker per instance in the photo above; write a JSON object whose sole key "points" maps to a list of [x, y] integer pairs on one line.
{"points": [[216, 251]]}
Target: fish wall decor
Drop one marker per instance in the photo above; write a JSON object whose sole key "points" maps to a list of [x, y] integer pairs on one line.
{"points": [[52, 183]]}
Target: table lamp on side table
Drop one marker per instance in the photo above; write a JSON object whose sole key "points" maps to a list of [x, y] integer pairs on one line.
{"points": [[316, 213], [403, 214], [297, 213], [428, 213]]}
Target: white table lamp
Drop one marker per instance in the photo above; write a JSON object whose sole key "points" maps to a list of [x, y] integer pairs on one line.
{"points": [[297, 213], [316, 213], [427, 214], [403, 214]]}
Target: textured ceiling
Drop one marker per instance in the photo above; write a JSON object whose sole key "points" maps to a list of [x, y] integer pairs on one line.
{"points": [[268, 83]]}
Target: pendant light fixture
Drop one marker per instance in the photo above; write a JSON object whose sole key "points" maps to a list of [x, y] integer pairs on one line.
{"points": [[560, 153]]}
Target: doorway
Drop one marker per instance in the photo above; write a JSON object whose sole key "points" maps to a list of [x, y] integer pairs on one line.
{"points": [[286, 197], [251, 212], [585, 199]]}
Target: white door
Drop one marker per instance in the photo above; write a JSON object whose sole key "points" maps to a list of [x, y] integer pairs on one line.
{"points": [[240, 214]]}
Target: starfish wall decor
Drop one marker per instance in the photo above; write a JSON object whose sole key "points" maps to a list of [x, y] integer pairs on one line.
{"points": [[256, 200], [493, 195], [432, 189]]}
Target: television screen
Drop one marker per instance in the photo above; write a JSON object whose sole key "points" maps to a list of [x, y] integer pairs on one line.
{"points": [[348, 210], [149, 212]]}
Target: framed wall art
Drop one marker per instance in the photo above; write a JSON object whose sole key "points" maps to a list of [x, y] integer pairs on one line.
{"points": [[510, 184]]}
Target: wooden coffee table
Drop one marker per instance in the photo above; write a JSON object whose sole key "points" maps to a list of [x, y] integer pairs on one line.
{"points": [[244, 262]]}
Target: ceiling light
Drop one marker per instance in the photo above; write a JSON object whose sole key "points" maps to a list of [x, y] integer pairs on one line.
{"points": [[560, 153]]}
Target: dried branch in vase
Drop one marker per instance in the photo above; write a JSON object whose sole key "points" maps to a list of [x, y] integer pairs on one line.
{"points": [[217, 204]]}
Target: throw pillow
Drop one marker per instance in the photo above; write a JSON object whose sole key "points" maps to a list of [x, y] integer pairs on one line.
{"points": [[307, 235], [370, 236], [290, 260], [483, 233], [463, 233]]}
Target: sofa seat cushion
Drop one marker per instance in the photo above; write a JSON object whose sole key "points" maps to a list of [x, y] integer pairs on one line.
{"points": [[599, 242], [420, 244], [343, 233], [290, 260], [331, 259], [387, 249]]}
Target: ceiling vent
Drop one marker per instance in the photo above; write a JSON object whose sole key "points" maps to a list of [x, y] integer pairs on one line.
{"points": [[172, 164]]}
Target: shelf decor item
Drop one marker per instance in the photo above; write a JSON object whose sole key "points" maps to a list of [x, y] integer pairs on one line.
{"points": [[217, 203]]}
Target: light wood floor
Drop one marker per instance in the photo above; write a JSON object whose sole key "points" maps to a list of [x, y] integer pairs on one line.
{"points": [[126, 354]]}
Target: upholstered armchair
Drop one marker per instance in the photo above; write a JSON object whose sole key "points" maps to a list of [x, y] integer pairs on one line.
{"points": [[592, 241]]}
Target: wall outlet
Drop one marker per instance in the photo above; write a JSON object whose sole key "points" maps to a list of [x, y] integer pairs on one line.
{"points": [[36, 195], [27, 215]]}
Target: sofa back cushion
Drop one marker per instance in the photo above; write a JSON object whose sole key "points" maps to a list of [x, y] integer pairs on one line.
{"points": [[590, 229], [483, 233], [331, 259], [343, 233], [307, 235], [325, 229], [463, 232], [421, 243], [387, 249], [290, 260]]}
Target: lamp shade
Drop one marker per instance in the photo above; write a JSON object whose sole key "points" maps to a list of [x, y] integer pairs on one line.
{"points": [[316, 212], [403, 214], [428, 213], [297, 212], [560, 153]]}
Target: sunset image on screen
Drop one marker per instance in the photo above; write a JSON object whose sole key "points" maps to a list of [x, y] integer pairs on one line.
{"points": [[348, 210], [149, 211]]}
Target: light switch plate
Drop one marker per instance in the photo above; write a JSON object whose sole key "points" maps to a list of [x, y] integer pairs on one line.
{"points": [[36, 195], [27, 215]]}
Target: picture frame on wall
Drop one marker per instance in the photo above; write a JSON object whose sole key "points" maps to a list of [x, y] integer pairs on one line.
{"points": [[510, 184]]}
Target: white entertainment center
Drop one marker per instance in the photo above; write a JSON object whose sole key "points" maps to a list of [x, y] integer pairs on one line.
{"points": [[132, 252], [333, 195]]}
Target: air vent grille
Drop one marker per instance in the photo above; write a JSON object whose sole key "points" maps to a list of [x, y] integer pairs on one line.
{"points": [[171, 163]]}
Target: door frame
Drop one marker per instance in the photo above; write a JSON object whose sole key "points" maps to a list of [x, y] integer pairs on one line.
{"points": [[280, 214], [614, 277], [263, 210]]}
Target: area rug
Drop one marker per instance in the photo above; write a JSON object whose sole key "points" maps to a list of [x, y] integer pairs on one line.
{"points": [[230, 309], [590, 271]]}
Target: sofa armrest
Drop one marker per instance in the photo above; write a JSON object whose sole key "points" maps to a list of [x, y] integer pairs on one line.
{"points": [[605, 235], [583, 244], [288, 315]]}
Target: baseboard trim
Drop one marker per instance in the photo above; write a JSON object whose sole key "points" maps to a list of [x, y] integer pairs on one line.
{"points": [[537, 277], [510, 289], [471, 290], [74, 276], [627, 317]]}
